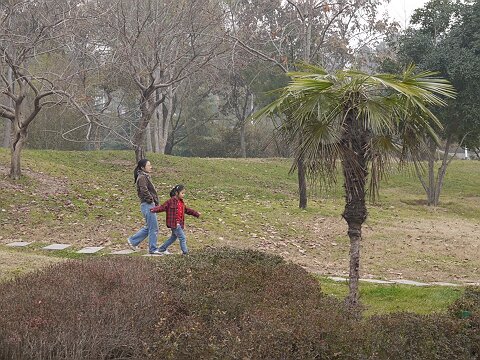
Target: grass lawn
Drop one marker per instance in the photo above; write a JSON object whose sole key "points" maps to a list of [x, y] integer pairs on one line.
{"points": [[382, 299]]}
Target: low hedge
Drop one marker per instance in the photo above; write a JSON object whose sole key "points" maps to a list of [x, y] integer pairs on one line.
{"points": [[217, 304]]}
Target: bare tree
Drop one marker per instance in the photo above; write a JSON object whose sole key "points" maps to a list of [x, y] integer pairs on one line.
{"points": [[34, 36], [239, 75], [158, 44], [7, 132]]}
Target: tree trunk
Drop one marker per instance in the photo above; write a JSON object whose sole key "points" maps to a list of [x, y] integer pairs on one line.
{"points": [[302, 184], [139, 139], [19, 137], [355, 235], [163, 115], [155, 139], [477, 152], [149, 136], [170, 144], [146, 109], [442, 171], [7, 133], [431, 174], [355, 173], [97, 143], [242, 117], [7, 137], [435, 183], [140, 153], [243, 144]]}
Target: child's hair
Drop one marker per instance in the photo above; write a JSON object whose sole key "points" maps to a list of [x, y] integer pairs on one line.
{"points": [[176, 189], [140, 165]]}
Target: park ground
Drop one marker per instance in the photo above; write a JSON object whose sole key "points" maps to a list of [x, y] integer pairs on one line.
{"points": [[89, 199]]}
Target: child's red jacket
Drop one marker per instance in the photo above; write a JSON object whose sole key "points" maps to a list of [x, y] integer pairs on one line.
{"points": [[171, 207]]}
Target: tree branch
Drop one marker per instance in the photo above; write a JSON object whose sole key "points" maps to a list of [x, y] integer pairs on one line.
{"points": [[302, 17], [258, 53], [6, 112]]}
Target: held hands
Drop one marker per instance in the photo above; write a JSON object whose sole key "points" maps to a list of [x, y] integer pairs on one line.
{"points": [[155, 209]]}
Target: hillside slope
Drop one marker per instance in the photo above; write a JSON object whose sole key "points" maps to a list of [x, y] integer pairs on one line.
{"points": [[88, 198]]}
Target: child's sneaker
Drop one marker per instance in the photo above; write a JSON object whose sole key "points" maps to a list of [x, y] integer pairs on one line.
{"points": [[133, 247], [156, 252], [165, 252]]}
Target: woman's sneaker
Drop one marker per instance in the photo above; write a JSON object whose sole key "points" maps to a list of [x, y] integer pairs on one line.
{"points": [[165, 252], [133, 247]]}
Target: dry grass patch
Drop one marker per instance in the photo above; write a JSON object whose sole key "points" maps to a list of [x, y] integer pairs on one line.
{"points": [[14, 263]]}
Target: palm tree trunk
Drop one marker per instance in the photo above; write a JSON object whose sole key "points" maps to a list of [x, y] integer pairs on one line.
{"points": [[302, 184], [355, 174], [302, 180]]}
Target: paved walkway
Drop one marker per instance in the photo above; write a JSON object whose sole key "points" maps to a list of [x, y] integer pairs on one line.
{"points": [[405, 282], [95, 249]]}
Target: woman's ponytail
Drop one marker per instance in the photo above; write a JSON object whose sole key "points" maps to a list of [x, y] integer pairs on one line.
{"points": [[140, 165]]}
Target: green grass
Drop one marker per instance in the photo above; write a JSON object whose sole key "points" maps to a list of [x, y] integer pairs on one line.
{"points": [[383, 299]]}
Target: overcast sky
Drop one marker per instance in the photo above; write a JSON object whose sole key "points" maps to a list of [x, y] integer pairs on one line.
{"points": [[402, 10]]}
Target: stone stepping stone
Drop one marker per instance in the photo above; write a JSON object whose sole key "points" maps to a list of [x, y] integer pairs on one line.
{"points": [[410, 282], [19, 244], [56, 247], [90, 250], [122, 252], [378, 281], [336, 278], [444, 284]]}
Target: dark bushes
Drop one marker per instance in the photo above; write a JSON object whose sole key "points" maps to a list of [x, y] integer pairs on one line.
{"points": [[411, 336], [467, 308], [81, 310], [213, 305]]}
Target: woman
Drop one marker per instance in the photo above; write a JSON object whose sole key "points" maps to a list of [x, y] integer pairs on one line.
{"points": [[148, 199]]}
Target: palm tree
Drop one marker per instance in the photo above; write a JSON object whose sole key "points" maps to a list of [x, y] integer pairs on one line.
{"points": [[363, 122]]}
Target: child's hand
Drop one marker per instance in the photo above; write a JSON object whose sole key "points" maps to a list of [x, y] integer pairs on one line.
{"points": [[155, 209]]}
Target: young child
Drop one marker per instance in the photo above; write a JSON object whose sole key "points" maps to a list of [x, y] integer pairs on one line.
{"points": [[175, 210]]}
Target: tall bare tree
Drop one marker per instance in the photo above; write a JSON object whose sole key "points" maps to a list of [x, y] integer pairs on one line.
{"points": [[158, 44], [34, 37], [7, 132]]}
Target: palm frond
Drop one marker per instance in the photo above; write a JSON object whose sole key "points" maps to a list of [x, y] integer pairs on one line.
{"points": [[393, 112], [312, 69]]}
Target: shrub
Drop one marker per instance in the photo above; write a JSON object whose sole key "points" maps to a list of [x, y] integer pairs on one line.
{"points": [[467, 308], [251, 305], [412, 336], [81, 310], [224, 304], [220, 304]]}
